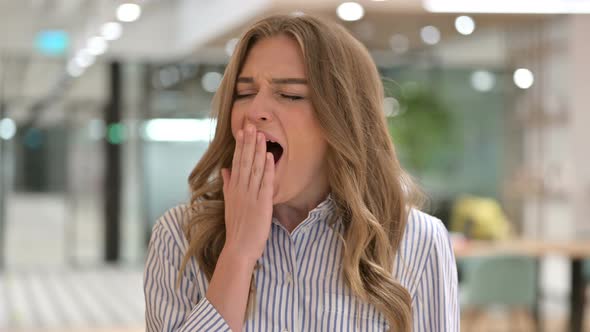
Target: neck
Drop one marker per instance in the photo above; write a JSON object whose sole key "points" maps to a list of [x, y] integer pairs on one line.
{"points": [[290, 214]]}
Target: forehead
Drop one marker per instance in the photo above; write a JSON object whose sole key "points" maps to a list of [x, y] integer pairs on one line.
{"points": [[278, 56]]}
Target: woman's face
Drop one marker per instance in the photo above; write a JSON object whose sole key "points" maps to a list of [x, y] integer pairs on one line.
{"points": [[272, 94]]}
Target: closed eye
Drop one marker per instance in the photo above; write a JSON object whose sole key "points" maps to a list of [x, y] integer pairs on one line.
{"points": [[291, 97], [242, 96]]}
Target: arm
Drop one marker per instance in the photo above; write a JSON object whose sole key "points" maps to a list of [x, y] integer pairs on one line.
{"points": [[436, 303], [248, 193], [231, 277]]}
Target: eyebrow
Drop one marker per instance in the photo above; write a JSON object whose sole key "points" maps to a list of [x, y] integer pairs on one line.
{"points": [[275, 80]]}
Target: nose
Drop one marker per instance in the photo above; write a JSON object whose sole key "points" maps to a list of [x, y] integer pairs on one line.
{"points": [[260, 109]]}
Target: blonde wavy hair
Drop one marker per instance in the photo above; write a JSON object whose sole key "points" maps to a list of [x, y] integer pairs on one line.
{"points": [[371, 191]]}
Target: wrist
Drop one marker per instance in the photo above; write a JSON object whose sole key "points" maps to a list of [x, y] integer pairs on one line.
{"points": [[237, 257]]}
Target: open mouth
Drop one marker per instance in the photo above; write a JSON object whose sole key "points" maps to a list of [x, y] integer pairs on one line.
{"points": [[276, 149]]}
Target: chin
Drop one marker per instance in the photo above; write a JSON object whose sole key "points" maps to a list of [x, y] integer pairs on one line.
{"points": [[279, 198], [276, 199], [276, 193]]}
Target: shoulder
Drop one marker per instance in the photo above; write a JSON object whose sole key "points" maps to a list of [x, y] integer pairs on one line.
{"points": [[425, 236], [169, 243], [169, 227], [167, 249], [423, 229]]}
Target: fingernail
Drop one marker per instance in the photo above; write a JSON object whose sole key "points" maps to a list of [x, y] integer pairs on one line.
{"points": [[240, 134]]}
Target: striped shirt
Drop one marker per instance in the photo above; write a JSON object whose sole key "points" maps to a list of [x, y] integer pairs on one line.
{"points": [[299, 284]]}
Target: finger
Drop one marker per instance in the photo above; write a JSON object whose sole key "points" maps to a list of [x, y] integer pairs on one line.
{"points": [[247, 156], [225, 177], [258, 164], [237, 153], [266, 188]]}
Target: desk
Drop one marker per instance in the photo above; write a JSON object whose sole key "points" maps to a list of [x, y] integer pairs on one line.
{"points": [[576, 251]]}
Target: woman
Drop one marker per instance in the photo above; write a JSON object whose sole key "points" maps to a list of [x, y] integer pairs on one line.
{"points": [[301, 218]]}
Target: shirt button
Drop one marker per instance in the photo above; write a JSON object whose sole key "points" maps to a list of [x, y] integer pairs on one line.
{"points": [[289, 280], [285, 330]]}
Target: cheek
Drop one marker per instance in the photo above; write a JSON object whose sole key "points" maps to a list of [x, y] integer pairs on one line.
{"points": [[237, 118], [313, 141], [311, 126], [317, 139]]}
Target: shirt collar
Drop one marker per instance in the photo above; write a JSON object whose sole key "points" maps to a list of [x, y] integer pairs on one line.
{"points": [[325, 208], [321, 212]]}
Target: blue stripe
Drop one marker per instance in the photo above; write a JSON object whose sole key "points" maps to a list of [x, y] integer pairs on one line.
{"points": [[317, 294]]}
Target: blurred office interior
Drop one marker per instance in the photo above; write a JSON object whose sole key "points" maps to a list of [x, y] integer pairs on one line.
{"points": [[105, 109]]}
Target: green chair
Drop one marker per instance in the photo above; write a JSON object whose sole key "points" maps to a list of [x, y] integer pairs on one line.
{"points": [[509, 282]]}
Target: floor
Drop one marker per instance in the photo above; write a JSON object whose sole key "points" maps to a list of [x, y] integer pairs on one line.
{"points": [[105, 299]]}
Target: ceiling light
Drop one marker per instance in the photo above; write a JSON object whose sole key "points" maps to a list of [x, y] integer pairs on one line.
{"points": [[84, 59], [430, 35], [111, 30], [128, 12], [211, 81], [74, 69], [96, 45], [482, 80], [179, 130], [169, 76], [523, 78], [7, 129], [465, 25], [509, 6], [350, 11]]}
